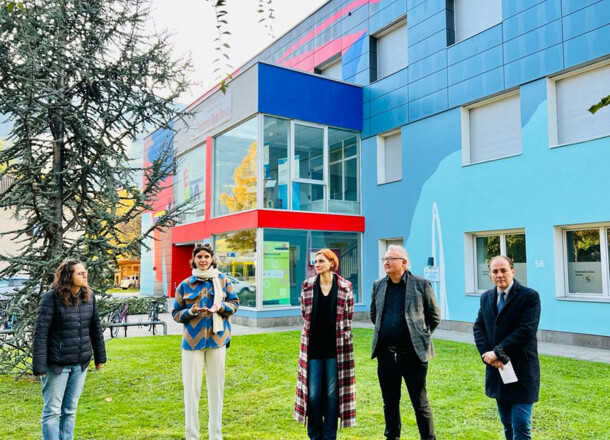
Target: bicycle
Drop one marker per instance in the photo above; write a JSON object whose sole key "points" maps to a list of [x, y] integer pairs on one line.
{"points": [[153, 315], [117, 317]]}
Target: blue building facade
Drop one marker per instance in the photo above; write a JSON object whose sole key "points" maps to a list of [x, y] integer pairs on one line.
{"points": [[552, 192], [475, 141]]}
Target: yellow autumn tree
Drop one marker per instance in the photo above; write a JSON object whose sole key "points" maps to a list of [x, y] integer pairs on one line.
{"points": [[244, 191], [243, 198], [129, 231]]}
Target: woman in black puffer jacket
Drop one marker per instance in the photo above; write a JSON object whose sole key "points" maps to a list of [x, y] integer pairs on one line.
{"points": [[67, 332]]}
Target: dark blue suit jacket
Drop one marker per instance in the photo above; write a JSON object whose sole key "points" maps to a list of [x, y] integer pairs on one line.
{"points": [[511, 335]]}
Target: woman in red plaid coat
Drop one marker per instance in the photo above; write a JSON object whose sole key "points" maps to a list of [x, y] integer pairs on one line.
{"points": [[326, 383]]}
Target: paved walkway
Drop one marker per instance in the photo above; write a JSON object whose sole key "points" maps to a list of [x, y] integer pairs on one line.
{"points": [[568, 351]]}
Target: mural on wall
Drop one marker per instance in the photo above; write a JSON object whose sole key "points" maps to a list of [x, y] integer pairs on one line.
{"points": [[439, 282], [158, 259], [300, 55]]}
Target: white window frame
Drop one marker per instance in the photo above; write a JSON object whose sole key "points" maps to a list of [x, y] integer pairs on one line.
{"points": [[489, 23], [552, 104], [293, 168], [562, 286], [470, 255], [465, 121], [295, 179], [402, 21], [343, 161], [381, 150]]}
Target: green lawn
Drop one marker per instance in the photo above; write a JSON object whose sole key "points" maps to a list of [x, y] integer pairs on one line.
{"points": [[138, 395]]}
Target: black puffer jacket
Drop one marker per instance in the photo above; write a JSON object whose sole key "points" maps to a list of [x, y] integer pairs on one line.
{"points": [[67, 335]]}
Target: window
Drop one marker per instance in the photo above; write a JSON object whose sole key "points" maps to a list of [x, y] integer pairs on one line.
{"points": [[574, 94], [189, 184], [236, 257], [586, 262], [331, 69], [276, 171], [343, 170], [474, 16], [389, 158], [389, 52], [235, 169], [288, 260], [482, 247], [309, 170], [309, 167], [491, 130]]}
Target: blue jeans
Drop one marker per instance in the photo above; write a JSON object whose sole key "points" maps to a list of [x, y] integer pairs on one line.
{"points": [[323, 399], [60, 393], [517, 420]]}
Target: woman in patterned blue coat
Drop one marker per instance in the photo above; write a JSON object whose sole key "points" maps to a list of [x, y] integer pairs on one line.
{"points": [[326, 383], [203, 303]]}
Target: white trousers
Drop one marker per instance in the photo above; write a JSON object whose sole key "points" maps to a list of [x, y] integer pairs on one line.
{"points": [[193, 362]]}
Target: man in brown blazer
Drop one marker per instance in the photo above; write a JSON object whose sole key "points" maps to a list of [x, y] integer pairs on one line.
{"points": [[405, 313]]}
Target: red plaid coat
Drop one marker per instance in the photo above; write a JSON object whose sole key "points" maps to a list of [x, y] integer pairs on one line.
{"points": [[345, 352]]}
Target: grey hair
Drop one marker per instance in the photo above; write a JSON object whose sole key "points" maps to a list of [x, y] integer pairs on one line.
{"points": [[502, 257], [402, 252]]}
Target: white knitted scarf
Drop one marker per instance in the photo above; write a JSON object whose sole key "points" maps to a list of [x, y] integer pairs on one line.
{"points": [[219, 294]]}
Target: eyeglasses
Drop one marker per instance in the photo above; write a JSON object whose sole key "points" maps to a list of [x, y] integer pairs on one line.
{"points": [[390, 259]]}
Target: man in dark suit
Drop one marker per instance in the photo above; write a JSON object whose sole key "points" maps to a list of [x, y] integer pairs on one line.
{"points": [[505, 330], [405, 313]]}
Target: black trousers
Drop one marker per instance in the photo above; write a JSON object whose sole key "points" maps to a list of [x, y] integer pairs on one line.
{"points": [[391, 369]]}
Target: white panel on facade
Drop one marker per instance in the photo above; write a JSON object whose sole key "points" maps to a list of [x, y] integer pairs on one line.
{"points": [[392, 50], [474, 16], [575, 95], [495, 130]]}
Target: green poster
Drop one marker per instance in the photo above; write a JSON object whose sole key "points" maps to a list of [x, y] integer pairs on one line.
{"points": [[276, 273]]}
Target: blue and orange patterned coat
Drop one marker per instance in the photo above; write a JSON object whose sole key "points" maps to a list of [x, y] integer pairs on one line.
{"points": [[345, 352], [197, 332]]}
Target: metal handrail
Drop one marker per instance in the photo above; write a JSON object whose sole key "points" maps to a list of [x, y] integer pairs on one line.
{"points": [[139, 323]]}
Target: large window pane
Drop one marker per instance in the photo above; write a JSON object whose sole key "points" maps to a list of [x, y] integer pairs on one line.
{"points": [[515, 249], [236, 257], [343, 181], [487, 248], [189, 184], [235, 169], [308, 152], [584, 261], [287, 262], [308, 197], [275, 166]]}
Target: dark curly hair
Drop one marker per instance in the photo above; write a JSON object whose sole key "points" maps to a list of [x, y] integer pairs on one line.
{"points": [[203, 247], [63, 284]]}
